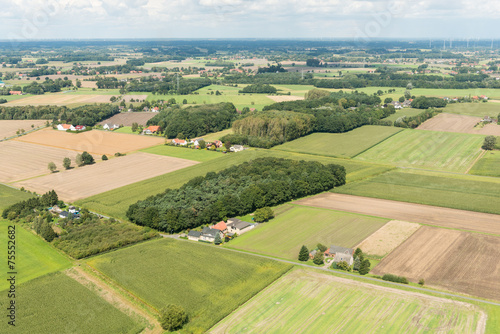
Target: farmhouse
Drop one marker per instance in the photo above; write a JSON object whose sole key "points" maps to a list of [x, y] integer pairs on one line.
{"points": [[65, 127], [194, 235], [487, 119], [110, 126], [221, 226], [238, 226], [80, 127], [209, 234], [340, 254], [180, 142], [15, 92], [151, 129], [196, 142], [64, 214]]}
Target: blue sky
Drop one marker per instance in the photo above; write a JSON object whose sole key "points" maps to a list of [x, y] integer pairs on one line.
{"points": [[63, 19]]}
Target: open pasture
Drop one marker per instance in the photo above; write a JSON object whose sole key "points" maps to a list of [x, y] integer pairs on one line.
{"points": [[90, 180], [127, 118], [94, 142], [463, 192], [59, 99], [491, 109], [19, 160], [116, 202], [56, 303], [456, 260], [343, 145], [35, 257], [408, 112], [459, 123], [488, 165], [9, 196], [208, 282], [310, 302], [432, 215], [8, 128], [284, 235], [454, 152], [388, 237]]}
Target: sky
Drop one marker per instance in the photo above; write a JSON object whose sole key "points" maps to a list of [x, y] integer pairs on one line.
{"points": [[346, 19]]}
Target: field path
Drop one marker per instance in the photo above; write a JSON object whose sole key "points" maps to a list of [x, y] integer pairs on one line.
{"points": [[417, 213], [108, 294]]}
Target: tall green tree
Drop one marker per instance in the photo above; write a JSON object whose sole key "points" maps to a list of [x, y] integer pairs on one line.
{"points": [[365, 267], [489, 143], [304, 254], [67, 163], [318, 258], [173, 317], [52, 167], [218, 239]]}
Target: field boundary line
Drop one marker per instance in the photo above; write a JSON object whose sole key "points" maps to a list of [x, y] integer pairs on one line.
{"points": [[483, 152], [354, 156]]}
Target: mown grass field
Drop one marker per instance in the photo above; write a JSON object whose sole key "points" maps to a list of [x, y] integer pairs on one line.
{"points": [[208, 282], [115, 203], [453, 152], [183, 153], [409, 112], [465, 192], [309, 302], [491, 109], [34, 256], [490, 92], [125, 129], [284, 235], [344, 145], [56, 303], [488, 165], [9, 196]]}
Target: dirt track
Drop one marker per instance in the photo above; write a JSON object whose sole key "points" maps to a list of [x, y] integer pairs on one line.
{"points": [[418, 213], [459, 123]]}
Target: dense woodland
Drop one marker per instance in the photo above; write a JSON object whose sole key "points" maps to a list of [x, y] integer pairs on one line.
{"points": [[195, 121], [259, 88], [234, 191]]}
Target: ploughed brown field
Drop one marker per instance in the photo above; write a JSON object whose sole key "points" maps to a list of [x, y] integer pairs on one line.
{"points": [[8, 128], [417, 213], [459, 123], [94, 142], [456, 260], [127, 118], [19, 161], [82, 182]]}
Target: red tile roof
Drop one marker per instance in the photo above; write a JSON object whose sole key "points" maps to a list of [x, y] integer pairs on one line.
{"points": [[153, 128], [221, 226]]}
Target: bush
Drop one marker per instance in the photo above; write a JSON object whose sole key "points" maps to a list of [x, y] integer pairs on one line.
{"points": [[394, 278], [343, 265], [263, 214], [318, 258], [173, 317], [104, 157], [421, 282], [322, 248]]}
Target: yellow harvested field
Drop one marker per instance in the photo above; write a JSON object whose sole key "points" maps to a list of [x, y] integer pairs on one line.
{"points": [[82, 182], [128, 118], [94, 142], [459, 123], [9, 128], [388, 237], [59, 99], [136, 98], [19, 161], [284, 98]]}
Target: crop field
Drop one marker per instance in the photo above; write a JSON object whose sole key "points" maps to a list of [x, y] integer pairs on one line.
{"points": [[284, 235], [59, 99], [19, 161], [9, 128], [491, 109], [56, 303], [217, 135], [310, 302], [409, 112], [464, 192], [388, 237], [459, 123], [141, 97], [490, 92], [35, 257], [184, 273], [456, 260], [183, 153], [94, 142], [105, 175], [127, 118], [116, 202], [343, 145], [454, 152], [284, 98], [9, 196], [488, 165]]}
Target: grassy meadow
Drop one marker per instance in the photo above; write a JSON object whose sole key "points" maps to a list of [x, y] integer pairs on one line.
{"points": [[9, 196], [284, 235], [409, 112], [488, 165], [478, 109], [209, 283], [453, 152], [56, 303], [115, 203], [309, 302], [343, 145], [34, 256], [464, 192], [183, 153]]}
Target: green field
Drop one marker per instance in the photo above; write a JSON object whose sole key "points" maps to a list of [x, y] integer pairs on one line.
{"points": [[217, 135], [184, 153], [490, 92], [125, 129], [208, 282], [56, 303], [488, 165], [344, 145], [453, 152], [409, 112], [284, 235], [309, 302], [34, 256], [465, 192], [9, 196], [491, 109], [115, 203]]}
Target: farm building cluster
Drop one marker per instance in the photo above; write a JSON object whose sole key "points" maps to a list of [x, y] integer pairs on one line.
{"points": [[66, 127], [72, 212], [224, 230], [195, 143], [337, 254]]}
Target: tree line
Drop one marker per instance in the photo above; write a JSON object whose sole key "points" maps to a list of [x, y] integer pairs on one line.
{"points": [[234, 191]]}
